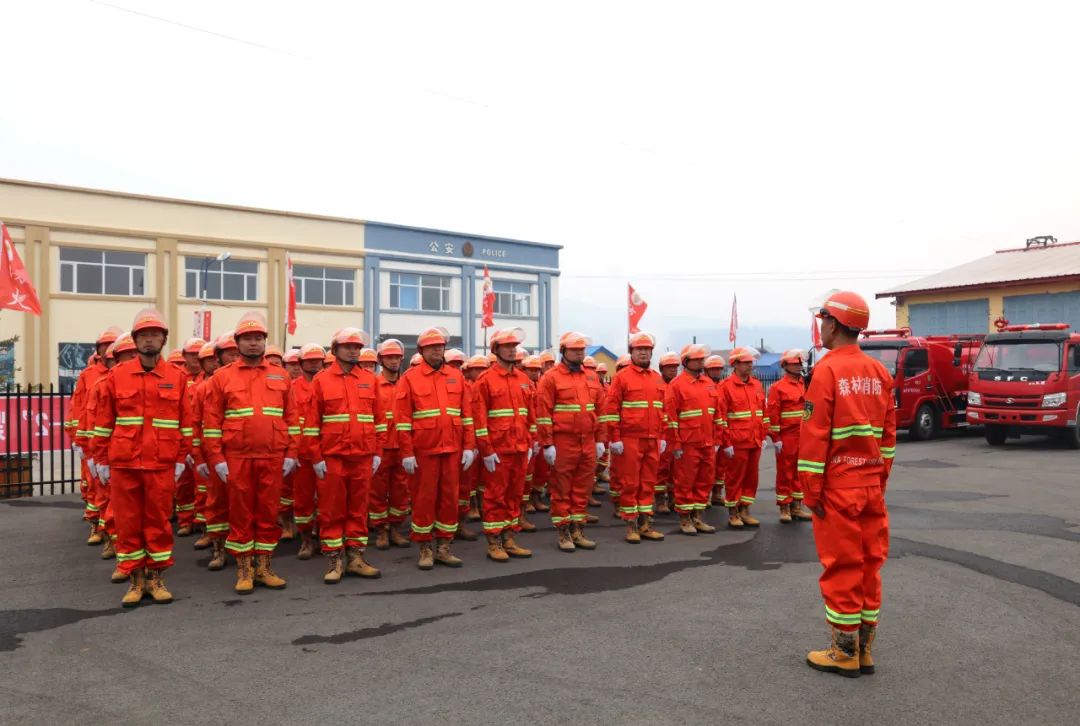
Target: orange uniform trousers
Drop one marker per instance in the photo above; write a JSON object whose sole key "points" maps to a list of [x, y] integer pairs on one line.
{"points": [[572, 478], [693, 477], [216, 508], [633, 475], [741, 484], [185, 498], [502, 493], [142, 501], [389, 491], [852, 543], [254, 488], [303, 496], [787, 462], [344, 496], [468, 483], [433, 490]]}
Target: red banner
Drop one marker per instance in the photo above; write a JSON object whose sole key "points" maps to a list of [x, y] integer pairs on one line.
{"points": [[733, 331], [36, 425], [290, 325], [488, 301], [636, 308]]}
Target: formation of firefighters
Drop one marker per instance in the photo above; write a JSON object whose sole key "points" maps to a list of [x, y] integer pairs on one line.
{"points": [[245, 445]]}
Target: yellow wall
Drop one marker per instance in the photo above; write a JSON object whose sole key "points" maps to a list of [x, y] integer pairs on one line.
{"points": [[42, 218], [995, 296]]}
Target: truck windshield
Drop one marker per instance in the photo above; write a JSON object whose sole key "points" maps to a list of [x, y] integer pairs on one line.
{"points": [[1044, 357], [887, 356]]}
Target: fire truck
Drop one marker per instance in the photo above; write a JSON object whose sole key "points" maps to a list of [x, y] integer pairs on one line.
{"points": [[931, 377], [1027, 381]]}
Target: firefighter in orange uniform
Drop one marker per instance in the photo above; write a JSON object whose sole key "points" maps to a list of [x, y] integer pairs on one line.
{"points": [[185, 487], [88, 443], [345, 405], [292, 363], [207, 364], [846, 450], [665, 486], [502, 410], [547, 361], [433, 418], [144, 414], [455, 359], [176, 358], [368, 360], [217, 493], [250, 432], [634, 412], [536, 479], [742, 408], [568, 403], [694, 433], [473, 369], [274, 355], [714, 368], [389, 503], [78, 427], [614, 486], [190, 352], [311, 356], [784, 409]]}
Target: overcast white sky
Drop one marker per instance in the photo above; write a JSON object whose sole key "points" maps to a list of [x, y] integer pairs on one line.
{"points": [[774, 150]]}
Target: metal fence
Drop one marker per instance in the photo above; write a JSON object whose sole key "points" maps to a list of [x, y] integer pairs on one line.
{"points": [[36, 453]]}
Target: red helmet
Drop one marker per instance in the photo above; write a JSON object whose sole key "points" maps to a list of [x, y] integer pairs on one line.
{"points": [[312, 351], [193, 345], [274, 350], [848, 308], [589, 363], [391, 346], [350, 335], [250, 323], [108, 352], [477, 361], [642, 340], [671, 358], [225, 342], [714, 361], [109, 335], [574, 340], [532, 361], [694, 351], [520, 355], [124, 342], [368, 355], [329, 359], [453, 355], [507, 336], [547, 357], [207, 351], [293, 356], [149, 319], [433, 336], [743, 354], [601, 368], [624, 360], [795, 355]]}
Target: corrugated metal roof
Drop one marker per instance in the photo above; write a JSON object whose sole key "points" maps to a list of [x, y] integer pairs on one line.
{"points": [[1004, 266]]}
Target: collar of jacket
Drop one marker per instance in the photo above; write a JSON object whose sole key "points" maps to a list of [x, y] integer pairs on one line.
{"points": [[159, 369], [263, 363], [694, 379], [427, 370], [735, 380], [504, 372], [336, 369], [566, 369], [849, 349]]}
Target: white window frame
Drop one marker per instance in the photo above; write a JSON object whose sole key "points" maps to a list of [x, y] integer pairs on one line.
{"points": [[74, 266], [444, 287], [510, 295], [349, 285], [217, 268]]}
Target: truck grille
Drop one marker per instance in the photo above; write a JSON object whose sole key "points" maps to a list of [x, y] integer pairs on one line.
{"points": [[1013, 401]]}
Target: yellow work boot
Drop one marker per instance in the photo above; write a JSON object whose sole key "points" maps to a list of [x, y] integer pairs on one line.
{"points": [[511, 547], [717, 495], [646, 530], [577, 536], [700, 525], [536, 496], [217, 555], [109, 550], [288, 528], [95, 537], [662, 506], [632, 534], [307, 545], [355, 564], [245, 575], [265, 575], [495, 551], [136, 589], [444, 556], [183, 531], [733, 519], [204, 541], [841, 657], [155, 588], [785, 514], [867, 633], [382, 537], [474, 511], [591, 519], [426, 559], [566, 542], [464, 533], [118, 576], [335, 568], [398, 539], [799, 514], [686, 525], [524, 523], [744, 515]]}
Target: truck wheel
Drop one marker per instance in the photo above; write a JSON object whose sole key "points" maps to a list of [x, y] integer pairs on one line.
{"points": [[925, 424], [996, 435]]}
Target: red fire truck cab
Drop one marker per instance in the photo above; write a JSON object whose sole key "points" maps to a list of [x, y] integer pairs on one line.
{"points": [[931, 376], [1027, 381]]}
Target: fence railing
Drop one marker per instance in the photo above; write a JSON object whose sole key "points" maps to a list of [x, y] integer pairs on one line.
{"points": [[35, 451]]}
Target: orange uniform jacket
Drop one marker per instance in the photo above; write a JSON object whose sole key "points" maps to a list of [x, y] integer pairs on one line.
{"points": [[690, 404], [387, 391], [635, 404], [77, 425], [503, 411], [742, 409], [249, 411], [144, 416], [433, 412], [348, 413], [785, 407], [91, 443], [848, 436], [198, 405], [309, 431], [569, 403]]}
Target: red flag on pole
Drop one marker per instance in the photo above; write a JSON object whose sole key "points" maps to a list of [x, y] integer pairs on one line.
{"points": [[636, 308], [290, 325], [16, 290], [734, 319], [815, 332], [488, 301]]}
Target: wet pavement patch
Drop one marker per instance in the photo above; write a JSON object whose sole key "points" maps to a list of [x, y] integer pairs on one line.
{"points": [[378, 631], [16, 623]]}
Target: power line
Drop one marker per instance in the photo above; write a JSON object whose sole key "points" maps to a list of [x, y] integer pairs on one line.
{"points": [[807, 276]]}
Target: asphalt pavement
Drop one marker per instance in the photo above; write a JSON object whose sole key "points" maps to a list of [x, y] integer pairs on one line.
{"points": [[980, 621]]}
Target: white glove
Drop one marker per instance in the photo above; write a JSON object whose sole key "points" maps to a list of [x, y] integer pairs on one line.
{"points": [[288, 466], [103, 474], [375, 461], [529, 455], [191, 461], [467, 458], [716, 448], [549, 455], [600, 449], [490, 462], [764, 444], [617, 448], [203, 470], [222, 471], [178, 471], [78, 450], [663, 445], [92, 468], [319, 467], [729, 452], [678, 453], [408, 464], [778, 445]]}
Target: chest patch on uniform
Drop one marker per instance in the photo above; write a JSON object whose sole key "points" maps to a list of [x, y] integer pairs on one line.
{"points": [[451, 380], [808, 410], [364, 385], [275, 377], [165, 385]]}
